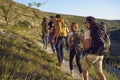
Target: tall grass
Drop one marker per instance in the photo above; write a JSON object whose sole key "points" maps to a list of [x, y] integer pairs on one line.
{"points": [[22, 59]]}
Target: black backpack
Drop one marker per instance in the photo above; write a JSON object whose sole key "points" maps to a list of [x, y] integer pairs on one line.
{"points": [[100, 39]]}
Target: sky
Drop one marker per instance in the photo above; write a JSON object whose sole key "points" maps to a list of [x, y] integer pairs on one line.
{"points": [[103, 9]]}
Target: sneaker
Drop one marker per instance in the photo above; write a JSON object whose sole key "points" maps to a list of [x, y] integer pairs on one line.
{"points": [[72, 73]]}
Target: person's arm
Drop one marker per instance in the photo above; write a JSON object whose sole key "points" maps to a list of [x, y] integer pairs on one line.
{"points": [[87, 40], [87, 43], [69, 38], [68, 41]]}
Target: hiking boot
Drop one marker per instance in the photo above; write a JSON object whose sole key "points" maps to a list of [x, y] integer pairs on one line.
{"points": [[72, 73]]}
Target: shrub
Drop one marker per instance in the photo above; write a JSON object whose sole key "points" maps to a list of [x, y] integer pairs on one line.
{"points": [[24, 23]]}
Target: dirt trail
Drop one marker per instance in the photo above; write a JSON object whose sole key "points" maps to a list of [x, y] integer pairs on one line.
{"points": [[65, 66]]}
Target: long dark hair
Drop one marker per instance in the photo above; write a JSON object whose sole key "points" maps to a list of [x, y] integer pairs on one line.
{"points": [[44, 22], [90, 19], [57, 16]]}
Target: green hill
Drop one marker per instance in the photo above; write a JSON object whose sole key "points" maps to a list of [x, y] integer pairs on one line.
{"points": [[15, 14]]}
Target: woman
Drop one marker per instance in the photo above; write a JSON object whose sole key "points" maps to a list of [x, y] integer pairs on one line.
{"points": [[45, 32], [74, 41]]}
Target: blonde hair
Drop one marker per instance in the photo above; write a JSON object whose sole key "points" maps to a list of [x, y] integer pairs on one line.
{"points": [[74, 27]]}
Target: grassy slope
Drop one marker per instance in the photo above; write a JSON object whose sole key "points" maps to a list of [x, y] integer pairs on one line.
{"points": [[21, 58]]}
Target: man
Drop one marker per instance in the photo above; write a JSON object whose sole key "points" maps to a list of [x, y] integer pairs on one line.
{"points": [[59, 36], [51, 33], [92, 56]]}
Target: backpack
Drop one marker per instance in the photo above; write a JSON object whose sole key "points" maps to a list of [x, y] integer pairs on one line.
{"points": [[60, 28], [75, 41], [56, 27], [100, 39]]}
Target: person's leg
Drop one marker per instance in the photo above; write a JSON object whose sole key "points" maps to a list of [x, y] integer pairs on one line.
{"points": [[52, 42], [61, 51], [78, 64], [52, 47], [98, 68], [86, 64], [43, 39], [71, 56], [85, 75], [46, 40], [101, 76], [58, 51], [78, 60]]}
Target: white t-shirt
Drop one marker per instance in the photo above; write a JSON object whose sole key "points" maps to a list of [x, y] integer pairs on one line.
{"points": [[70, 34], [87, 34]]}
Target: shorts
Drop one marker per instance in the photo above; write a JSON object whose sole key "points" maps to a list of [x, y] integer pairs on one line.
{"points": [[92, 59]]}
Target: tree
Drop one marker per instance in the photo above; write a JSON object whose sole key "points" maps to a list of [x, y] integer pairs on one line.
{"points": [[37, 4]]}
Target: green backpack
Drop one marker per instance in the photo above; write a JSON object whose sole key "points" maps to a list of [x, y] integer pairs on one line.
{"points": [[75, 41]]}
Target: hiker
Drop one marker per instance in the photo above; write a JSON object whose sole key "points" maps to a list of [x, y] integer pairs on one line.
{"points": [[60, 34], [51, 33], [74, 41], [94, 48], [45, 32]]}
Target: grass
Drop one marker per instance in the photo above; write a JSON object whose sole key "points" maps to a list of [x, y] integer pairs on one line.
{"points": [[22, 59], [109, 76]]}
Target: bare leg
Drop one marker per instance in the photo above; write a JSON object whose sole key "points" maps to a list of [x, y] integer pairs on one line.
{"points": [[85, 75], [101, 76]]}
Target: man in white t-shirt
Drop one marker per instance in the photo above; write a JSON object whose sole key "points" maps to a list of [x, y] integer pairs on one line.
{"points": [[91, 59]]}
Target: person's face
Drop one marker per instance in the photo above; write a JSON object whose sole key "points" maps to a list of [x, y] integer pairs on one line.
{"points": [[87, 24], [50, 18]]}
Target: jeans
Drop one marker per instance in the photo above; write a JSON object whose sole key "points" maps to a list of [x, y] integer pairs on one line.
{"points": [[74, 52], [53, 47], [52, 42], [45, 39], [59, 48]]}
